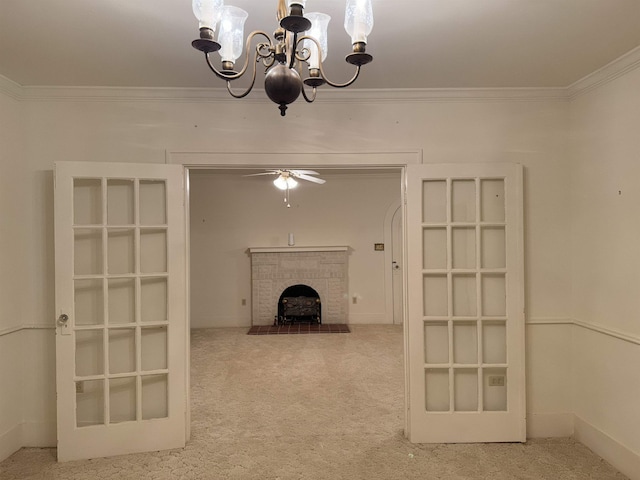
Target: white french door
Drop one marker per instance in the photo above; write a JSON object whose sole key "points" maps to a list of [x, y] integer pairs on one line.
{"points": [[121, 338], [465, 303]]}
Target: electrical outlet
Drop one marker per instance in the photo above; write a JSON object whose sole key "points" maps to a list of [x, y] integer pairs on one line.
{"points": [[496, 380], [79, 387]]}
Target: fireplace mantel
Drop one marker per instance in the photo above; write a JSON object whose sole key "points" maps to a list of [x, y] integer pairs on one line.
{"points": [[297, 249]]}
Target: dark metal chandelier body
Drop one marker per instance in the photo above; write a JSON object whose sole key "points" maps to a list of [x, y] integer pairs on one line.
{"points": [[284, 55]]}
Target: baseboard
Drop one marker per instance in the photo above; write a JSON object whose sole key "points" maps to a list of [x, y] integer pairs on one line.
{"points": [[39, 434], [547, 425], [625, 460], [367, 319], [219, 322], [10, 442]]}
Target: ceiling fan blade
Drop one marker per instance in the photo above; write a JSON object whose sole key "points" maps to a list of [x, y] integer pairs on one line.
{"points": [[311, 179], [256, 174], [303, 172]]}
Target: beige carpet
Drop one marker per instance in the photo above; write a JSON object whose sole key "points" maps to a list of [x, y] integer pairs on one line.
{"points": [[314, 407]]}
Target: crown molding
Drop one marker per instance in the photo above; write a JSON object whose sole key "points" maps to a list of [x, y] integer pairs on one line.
{"points": [[615, 69], [219, 95], [412, 95], [10, 88]]}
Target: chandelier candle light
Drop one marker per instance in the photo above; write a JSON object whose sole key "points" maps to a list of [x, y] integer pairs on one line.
{"points": [[300, 39]]}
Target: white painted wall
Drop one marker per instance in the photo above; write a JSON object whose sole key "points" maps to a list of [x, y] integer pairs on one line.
{"points": [[68, 125], [13, 284], [230, 213], [605, 220], [13, 175]]}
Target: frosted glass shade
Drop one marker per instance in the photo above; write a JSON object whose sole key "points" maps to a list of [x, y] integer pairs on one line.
{"points": [[283, 183], [358, 20], [231, 35], [318, 30], [207, 12], [299, 2]]}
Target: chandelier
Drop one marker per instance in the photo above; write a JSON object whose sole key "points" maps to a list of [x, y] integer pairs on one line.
{"points": [[299, 40]]}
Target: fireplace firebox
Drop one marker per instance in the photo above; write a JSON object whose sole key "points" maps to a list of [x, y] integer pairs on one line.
{"points": [[299, 304]]}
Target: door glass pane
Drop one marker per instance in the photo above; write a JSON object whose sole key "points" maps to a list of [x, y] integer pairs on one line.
{"points": [[437, 389], [153, 202], [465, 383], [89, 403], [153, 297], [465, 343], [89, 353], [492, 200], [434, 248], [493, 248], [155, 389], [494, 342], [495, 389], [494, 296], [122, 295], [121, 253], [464, 296], [434, 201], [120, 204], [87, 201], [154, 348], [153, 251], [463, 204], [436, 301], [88, 302], [122, 350], [436, 342], [122, 399], [87, 251], [464, 247]]}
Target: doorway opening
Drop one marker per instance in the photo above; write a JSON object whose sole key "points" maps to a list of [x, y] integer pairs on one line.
{"points": [[231, 212]]}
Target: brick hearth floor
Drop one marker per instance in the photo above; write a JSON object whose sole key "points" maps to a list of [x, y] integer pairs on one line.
{"points": [[298, 328]]}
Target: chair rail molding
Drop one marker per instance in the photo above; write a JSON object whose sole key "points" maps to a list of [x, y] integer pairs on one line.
{"points": [[624, 336], [19, 328]]}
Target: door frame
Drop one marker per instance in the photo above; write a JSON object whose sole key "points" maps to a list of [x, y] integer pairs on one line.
{"points": [[338, 160], [342, 160]]}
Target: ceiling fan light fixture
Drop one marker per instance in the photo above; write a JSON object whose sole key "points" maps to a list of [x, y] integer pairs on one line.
{"points": [[285, 182]]}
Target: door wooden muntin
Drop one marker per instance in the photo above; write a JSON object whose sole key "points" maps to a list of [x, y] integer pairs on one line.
{"points": [[435, 364], [134, 375]]}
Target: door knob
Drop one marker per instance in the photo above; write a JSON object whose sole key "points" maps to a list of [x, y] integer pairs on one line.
{"points": [[63, 319]]}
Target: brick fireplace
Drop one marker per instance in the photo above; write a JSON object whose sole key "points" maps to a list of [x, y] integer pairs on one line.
{"points": [[273, 269]]}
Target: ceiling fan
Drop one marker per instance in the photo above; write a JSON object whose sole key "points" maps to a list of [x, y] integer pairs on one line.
{"points": [[286, 179]]}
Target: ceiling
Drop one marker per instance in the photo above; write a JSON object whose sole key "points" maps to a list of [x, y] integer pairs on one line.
{"points": [[415, 43]]}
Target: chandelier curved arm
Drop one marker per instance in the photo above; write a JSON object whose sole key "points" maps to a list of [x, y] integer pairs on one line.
{"points": [[323, 75], [260, 52], [249, 88], [311, 98]]}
